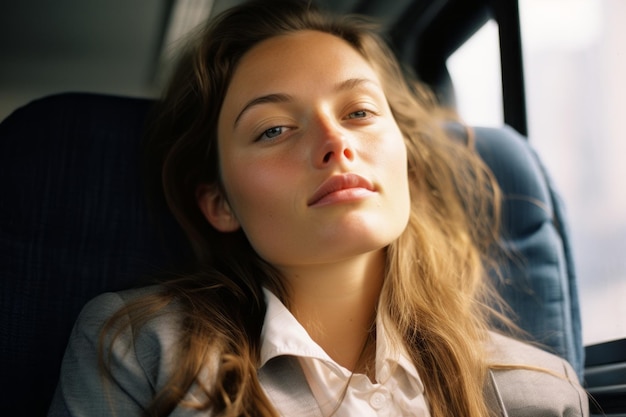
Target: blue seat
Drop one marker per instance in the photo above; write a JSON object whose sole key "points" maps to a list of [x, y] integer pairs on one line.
{"points": [[537, 279], [74, 223]]}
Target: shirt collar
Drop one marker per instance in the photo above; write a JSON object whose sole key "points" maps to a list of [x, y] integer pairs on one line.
{"points": [[282, 335], [391, 354]]}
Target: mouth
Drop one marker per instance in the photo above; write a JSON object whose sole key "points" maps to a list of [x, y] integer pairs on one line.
{"points": [[342, 188]]}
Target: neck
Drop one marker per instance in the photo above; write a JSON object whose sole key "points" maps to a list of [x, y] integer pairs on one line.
{"points": [[336, 303]]}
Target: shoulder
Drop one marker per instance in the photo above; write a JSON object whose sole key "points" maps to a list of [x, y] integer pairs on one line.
{"points": [[131, 312], [140, 343], [508, 351], [123, 349], [532, 381]]}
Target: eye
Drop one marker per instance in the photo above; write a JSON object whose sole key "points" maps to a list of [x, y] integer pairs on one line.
{"points": [[272, 132], [359, 114]]}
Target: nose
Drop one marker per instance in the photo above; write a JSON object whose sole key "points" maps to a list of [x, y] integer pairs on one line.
{"points": [[333, 144]]}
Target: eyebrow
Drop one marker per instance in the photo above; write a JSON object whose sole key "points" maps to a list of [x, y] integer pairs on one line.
{"points": [[345, 85], [270, 98]]}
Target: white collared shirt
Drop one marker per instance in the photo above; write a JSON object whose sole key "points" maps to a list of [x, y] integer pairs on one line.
{"points": [[398, 390]]}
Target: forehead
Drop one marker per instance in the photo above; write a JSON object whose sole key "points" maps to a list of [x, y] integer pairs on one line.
{"points": [[298, 60]]}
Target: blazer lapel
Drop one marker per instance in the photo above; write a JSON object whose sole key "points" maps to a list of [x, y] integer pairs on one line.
{"points": [[494, 399], [285, 384]]}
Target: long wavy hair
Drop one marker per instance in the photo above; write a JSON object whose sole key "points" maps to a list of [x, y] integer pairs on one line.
{"points": [[435, 295]]}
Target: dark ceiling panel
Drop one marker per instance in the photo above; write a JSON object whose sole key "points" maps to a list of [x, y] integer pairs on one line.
{"points": [[113, 45]]}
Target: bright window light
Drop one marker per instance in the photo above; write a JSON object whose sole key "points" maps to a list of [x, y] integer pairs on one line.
{"points": [[475, 72]]}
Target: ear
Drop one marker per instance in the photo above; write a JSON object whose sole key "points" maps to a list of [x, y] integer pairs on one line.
{"points": [[215, 208]]}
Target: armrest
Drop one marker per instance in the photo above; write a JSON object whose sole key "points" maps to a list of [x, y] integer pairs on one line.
{"points": [[605, 377]]}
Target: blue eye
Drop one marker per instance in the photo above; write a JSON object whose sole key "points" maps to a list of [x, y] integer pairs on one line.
{"points": [[272, 132], [359, 114]]}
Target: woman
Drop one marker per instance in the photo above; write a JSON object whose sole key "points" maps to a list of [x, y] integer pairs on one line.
{"points": [[341, 238]]}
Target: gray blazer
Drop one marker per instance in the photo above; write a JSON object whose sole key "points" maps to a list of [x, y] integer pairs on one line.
{"points": [[142, 362]]}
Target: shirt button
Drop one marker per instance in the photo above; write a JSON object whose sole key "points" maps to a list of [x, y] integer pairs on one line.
{"points": [[377, 400]]}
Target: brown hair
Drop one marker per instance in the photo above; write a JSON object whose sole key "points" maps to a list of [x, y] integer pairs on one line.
{"points": [[435, 294]]}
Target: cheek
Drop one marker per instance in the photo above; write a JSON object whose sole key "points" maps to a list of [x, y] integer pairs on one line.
{"points": [[398, 156], [396, 161], [263, 199], [394, 154], [258, 191], [243, 188]]}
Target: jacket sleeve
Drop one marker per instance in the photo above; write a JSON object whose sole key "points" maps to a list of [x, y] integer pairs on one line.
{"points": [[84, 389], [533, 382]]}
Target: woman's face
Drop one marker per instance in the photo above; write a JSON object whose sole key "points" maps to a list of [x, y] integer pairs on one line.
{"points": [[312, 161]]}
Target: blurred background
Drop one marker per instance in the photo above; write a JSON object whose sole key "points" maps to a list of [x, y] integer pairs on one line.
{"points": [[575, 63]]}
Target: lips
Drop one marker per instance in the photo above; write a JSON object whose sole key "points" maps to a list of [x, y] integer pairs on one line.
{"points": [[341, 187]]}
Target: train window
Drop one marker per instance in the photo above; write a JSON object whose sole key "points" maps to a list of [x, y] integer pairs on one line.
{"points": [[576, 90], [475, 72]]}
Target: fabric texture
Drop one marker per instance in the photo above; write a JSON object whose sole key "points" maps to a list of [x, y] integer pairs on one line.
{"points": [[538, 279], [73, 223], [142, 360]]}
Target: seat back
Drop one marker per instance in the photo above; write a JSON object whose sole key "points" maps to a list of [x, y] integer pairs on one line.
{"points": [[538, 279], [74, 223]]}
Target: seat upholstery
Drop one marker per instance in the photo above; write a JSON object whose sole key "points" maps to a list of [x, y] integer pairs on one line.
{"points": [[538, 279], [74, 223]]}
